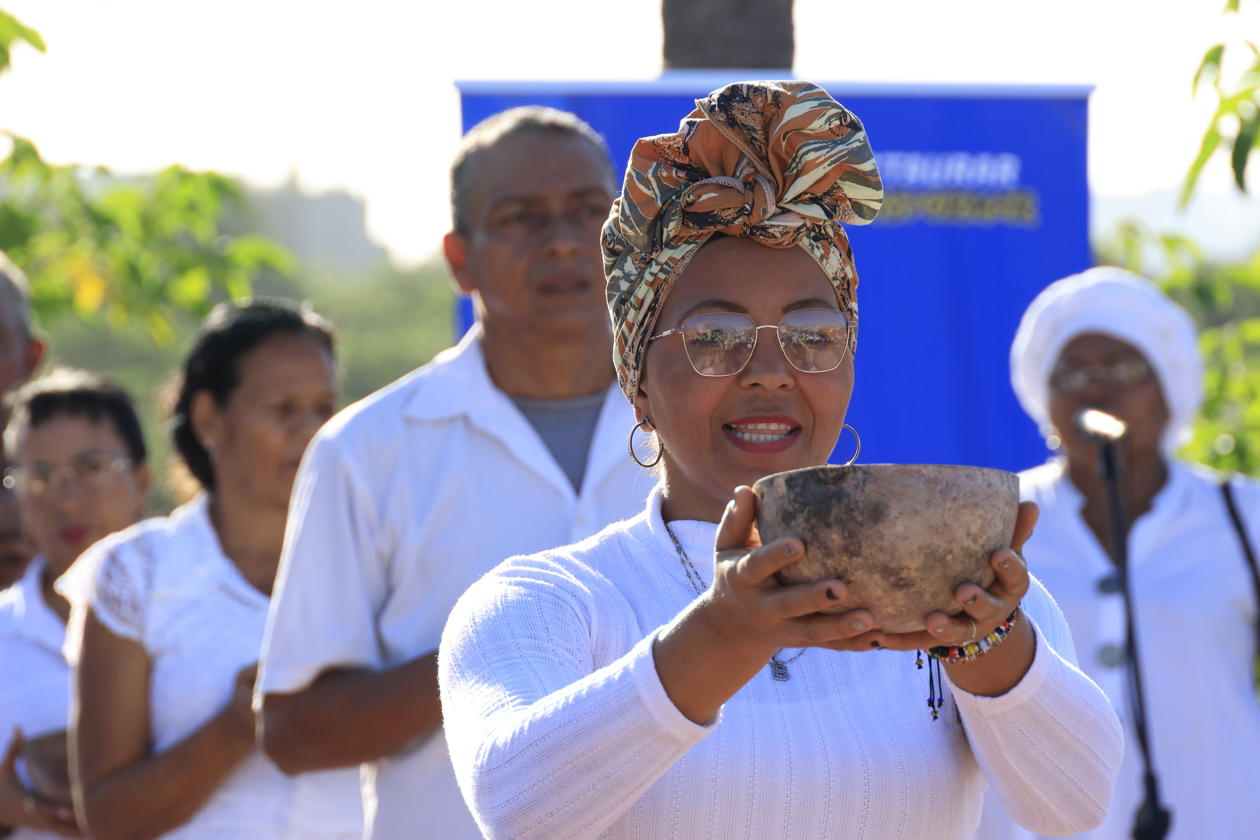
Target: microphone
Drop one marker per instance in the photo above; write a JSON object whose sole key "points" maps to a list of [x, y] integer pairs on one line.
{"points": [[1098, 426]]}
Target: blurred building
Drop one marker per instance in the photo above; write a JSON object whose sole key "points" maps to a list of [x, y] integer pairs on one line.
{"points": [[323, 231]]}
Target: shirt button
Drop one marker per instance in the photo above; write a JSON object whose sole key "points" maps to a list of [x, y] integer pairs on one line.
{"points": [[1109, 585], [1111, 656], [579, 521]]}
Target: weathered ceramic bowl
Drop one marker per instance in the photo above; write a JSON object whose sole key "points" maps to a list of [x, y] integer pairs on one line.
{"points": [[902, 537]]}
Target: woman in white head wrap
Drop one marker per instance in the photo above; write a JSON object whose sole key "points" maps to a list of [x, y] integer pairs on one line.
{"points": [[1110, 340]]}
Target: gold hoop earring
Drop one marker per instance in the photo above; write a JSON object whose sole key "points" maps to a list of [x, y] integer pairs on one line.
{"points": [[660, 448], [856, 452]]}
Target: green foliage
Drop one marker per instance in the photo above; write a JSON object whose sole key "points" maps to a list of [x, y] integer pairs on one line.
{"points": [[1224, 300], [122, 252], [11, 32], [1237, 118], [125, 252]]}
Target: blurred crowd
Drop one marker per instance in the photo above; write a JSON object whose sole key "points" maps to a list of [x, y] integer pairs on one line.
{"points": [[263, 662]]}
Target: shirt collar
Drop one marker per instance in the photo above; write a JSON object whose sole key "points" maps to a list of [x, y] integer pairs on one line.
{"points": [[456, 384], [34, 620], [1172, 498], [203, 566], [1179, 482], [697, 537]]}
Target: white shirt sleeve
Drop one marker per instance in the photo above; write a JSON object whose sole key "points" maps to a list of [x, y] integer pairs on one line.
{"points": [[1051, 744], [545, 745], [332, 579], [116, 583]]}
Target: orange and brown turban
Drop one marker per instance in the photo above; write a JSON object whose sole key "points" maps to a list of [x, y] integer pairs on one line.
{"points": [[779, 162]]}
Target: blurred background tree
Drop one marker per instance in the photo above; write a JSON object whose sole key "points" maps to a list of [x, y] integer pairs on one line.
{"points": [[123, 269], [121, 251], [1223, 297]]}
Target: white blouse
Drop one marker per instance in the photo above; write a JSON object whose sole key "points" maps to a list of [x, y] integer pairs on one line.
{"points": [[34, 676], [167, 585], [559, 726], [1195, 617]]}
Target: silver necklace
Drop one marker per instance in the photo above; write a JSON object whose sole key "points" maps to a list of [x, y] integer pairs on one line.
{"points": [[778, 667]]}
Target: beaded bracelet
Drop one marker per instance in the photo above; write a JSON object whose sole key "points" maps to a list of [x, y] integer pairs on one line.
{"points": [[971, 651]]}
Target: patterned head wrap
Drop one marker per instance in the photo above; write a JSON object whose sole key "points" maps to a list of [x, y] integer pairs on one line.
{"points": [[779, 162]]}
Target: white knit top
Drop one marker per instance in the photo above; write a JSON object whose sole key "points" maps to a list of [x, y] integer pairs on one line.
{"points": [[559, 727]]}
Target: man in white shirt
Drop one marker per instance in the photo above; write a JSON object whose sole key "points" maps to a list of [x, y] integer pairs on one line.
{"points": [[512, 442]]}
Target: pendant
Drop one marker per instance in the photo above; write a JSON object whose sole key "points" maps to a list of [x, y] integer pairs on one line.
{"points": [[779, 670]]}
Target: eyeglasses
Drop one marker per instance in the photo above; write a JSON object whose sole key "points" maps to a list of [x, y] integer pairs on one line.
{"points": [[721, 343], [1076, 378], [92, 472]]}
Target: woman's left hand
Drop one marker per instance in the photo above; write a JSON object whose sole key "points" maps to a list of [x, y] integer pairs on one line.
{"points": [[999, 670]]}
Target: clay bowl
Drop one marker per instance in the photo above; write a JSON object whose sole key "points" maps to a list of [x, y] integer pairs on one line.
{"points": [[902, 537]]}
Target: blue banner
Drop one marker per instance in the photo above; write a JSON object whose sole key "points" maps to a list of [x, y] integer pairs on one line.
{"points": [[986, 204]]}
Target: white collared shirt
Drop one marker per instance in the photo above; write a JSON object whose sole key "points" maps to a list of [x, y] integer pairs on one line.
{"points": [[1195, 619], [166, 585], [403, 501], [34, 676]]}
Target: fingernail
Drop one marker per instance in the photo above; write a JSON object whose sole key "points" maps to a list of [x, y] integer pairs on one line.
{"points": [[970, 600], [789, 550], [874, 644], [858, 624], [936, 631], [1005, 561], [831, 596]]}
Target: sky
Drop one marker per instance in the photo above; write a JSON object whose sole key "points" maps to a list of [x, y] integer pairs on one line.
{"points": [[360, 96]]}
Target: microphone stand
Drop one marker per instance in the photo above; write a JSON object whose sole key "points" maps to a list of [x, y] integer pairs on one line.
{"points": [[1152, 820]]}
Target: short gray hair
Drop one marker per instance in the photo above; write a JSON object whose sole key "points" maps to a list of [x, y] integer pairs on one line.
{"points": [[514, 122], [15, 290]]}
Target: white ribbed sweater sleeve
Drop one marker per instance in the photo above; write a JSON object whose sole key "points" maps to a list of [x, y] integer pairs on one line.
{"points": [[545, 744], [1051, 746]]}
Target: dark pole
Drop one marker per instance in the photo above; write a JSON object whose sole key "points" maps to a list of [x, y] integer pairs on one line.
{"points": [[753, 34], [1152, 819]]}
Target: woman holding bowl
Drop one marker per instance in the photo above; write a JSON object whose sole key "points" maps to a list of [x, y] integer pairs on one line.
{"points": [[656, 681]]}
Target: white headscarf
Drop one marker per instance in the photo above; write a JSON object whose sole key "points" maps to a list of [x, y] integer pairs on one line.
{"points": [[1127, 307]]}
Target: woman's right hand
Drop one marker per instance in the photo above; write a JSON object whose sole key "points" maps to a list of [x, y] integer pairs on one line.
{"points": [[748, 603], [20, 807], [728, 634]]}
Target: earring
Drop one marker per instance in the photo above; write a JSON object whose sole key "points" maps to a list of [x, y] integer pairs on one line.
{"points": [[856, 440], [660, 448]]}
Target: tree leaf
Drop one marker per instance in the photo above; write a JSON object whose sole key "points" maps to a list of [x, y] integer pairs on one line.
{"points": [[13, 31], [1211, 139], [1211, 63], [1248, 131]]}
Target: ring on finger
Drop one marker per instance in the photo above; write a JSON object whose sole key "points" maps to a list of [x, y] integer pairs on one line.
{"points": [[972, 637]]}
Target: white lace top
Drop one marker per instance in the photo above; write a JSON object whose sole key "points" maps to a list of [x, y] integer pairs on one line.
{"points": [[167, 585]]}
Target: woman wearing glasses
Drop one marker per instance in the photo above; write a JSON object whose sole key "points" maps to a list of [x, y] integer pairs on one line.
{"points": [[170, 614], [80, 473], [656, 681], [1107, 339]]}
